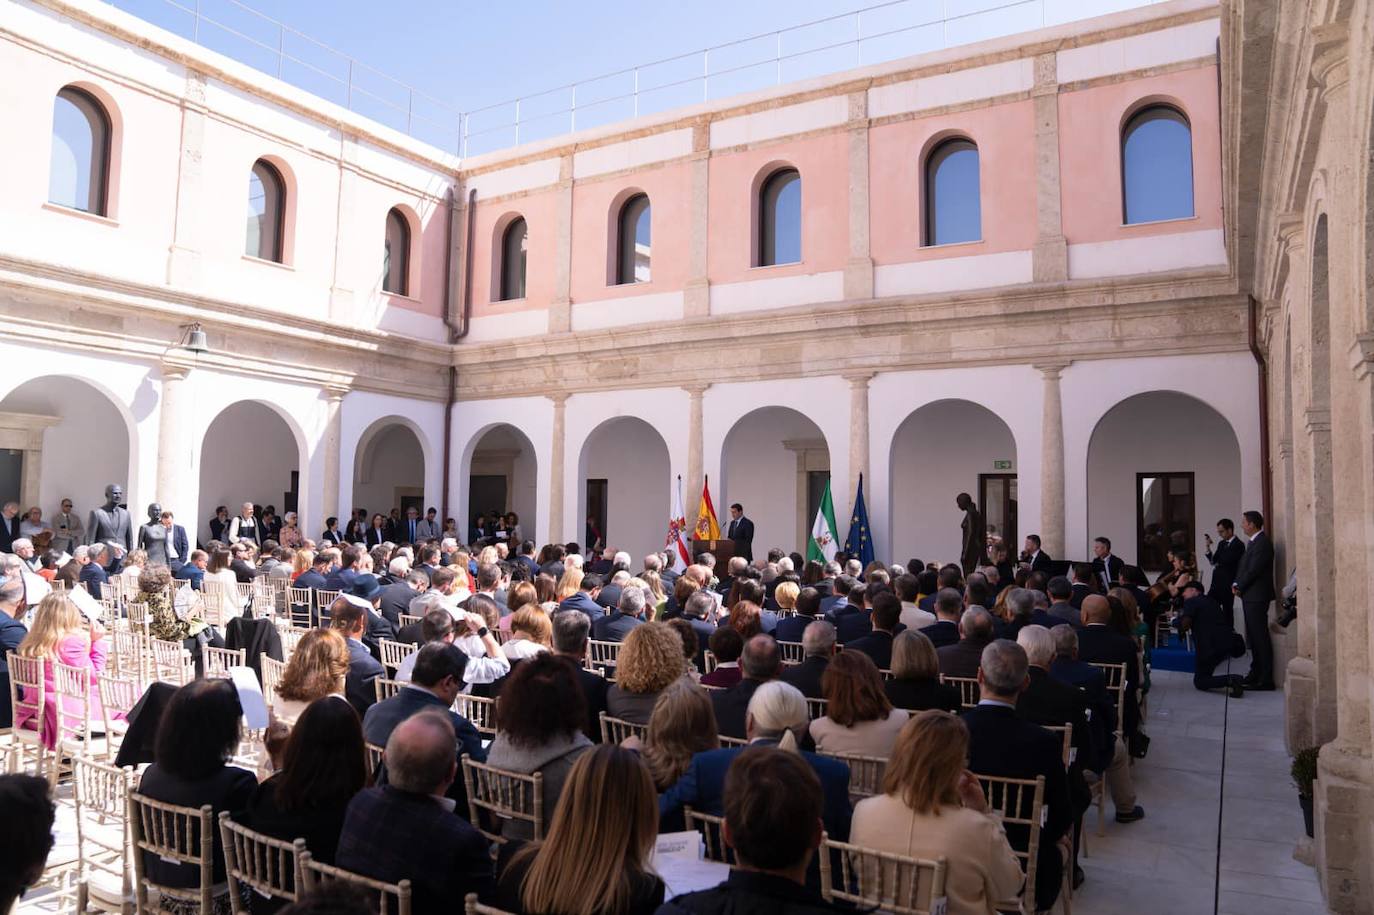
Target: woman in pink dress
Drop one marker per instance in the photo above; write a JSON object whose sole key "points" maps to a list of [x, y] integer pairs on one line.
{"points": [[60, 633]]}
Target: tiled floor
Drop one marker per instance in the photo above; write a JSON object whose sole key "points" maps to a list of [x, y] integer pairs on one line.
{"points": [[1167, 862]]}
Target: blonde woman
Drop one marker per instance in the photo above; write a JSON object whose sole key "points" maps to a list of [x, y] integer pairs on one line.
{"points": [[531, 633], [650, 660], [61, 634], [658, 598], [134, 564], [786, 596], [683, 724], [568, 585], [595, 859], [318, 668], [301, 563], [933, 807]]}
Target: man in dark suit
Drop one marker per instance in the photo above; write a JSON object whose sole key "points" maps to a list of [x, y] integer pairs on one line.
{"points": [[1106, 567], [380, 826], [1039, 560], [851, 620], [1212, 629], [886, 616], [12, 633], [193, 570], [976, 627], [395, 598], [741, 530], [9, 526], [792, 628], [314, 577], [760, 662], [364, 594], [1098, 644], [570, 629], [1067, 668], [1002, 743], [585, 599], [948, 607], [363, 668], [341, 579], [630, 613], [818, 644], [1060, 592], [1225, 559], [94, 575], [698, 612], [840, 586], [1254, 585], [1082, 573], [435, 682]]}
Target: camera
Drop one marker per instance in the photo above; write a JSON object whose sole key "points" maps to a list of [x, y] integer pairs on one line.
{"points": [[1288, 611]]}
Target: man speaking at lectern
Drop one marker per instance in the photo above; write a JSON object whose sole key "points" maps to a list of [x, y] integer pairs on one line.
{"points": [[741, 530]]}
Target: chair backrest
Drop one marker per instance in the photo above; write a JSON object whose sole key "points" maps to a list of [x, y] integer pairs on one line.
{"points": [[502, 636], [815, 708], [876, 879], [504, 795], [408, 619], [290, 638], [1019, 801], [272, 671], [709, 660], [865, 774], [618, 730], [374, 757], [118, 696], [218, 660], [480, 710], [472, 907], [138, 613], [299, 603], [101, 796], [390, 898], [323, 601], [386, 688], [602, 654], [968, 689], [130, 654], [28, 687], [1065, 732], [268, 866], [393, 653], [1115, 676], [792, 652], [731, 741], [220, 602], [177, 835], [712, 834], [171, 663], [72, 689]]}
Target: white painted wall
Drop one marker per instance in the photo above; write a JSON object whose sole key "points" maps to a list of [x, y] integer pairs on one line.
{"points": [[533, 418], [522, 489], [392, 459], [633, 459], [937, 453], [247, 455], [1136, 436], [761, 474], [364, 413]]}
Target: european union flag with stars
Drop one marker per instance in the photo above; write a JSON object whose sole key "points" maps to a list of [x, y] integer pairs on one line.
{"points": [[860, 542]]}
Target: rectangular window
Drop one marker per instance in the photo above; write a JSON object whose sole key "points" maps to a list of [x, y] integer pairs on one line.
{"points": [[1164, 518], [997, 497], [596, 513]]}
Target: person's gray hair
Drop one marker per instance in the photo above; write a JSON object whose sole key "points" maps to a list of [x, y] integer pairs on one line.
{"points": [[573, 561], [1041, 599], [420, 753], [976, 623], [400, 566], [570, 629], [854, 568], [1003, 664], [737, 565], [619, 578], [1065, 641], [769, 574], [948, 602], [81, 552], [621, 560], [776, 709], [1021, 601], [832, 568], [21, 542], [1038, 643], [785, 565], [12, 593], [699, 606], [95, 550], [818, 639], [423, 603], [761, 658], [417, 577], [653, 562], [631, 602]]}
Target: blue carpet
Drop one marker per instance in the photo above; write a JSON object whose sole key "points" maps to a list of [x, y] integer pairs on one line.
{"points": [[1174, 656]]}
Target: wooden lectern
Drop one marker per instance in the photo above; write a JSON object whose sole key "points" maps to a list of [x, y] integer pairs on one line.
{"points": [[723, 550]]}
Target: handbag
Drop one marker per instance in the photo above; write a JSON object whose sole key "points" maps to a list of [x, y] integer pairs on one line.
{"points": [[1138, 744]]}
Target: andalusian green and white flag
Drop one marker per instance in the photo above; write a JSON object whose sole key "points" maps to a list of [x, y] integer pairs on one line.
{"points": [[823, 545]]}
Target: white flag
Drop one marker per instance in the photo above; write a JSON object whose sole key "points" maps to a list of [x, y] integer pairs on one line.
{"points": [[677, 533], [823, 546]]}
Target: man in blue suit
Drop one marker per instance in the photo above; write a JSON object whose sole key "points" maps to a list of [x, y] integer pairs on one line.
{"points": [[363, 668], [629, 613], [342, 578], [314, 577], [791, 628], [585, 599], [194, 569], [435, 682]]}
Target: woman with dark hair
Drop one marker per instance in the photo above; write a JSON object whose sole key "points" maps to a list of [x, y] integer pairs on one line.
{"points": [[323, 766], [539, 718], [691, 645], [812, 572], [746, 618], [545, 587], [859, 718], [197, 735]]}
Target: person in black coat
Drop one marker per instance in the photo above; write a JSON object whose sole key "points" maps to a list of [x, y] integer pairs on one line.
{"points": [[976, 629], [818, 643], [1213, 632], [948, 608], [570, 629], [915, 684], [1002, 743], [1255, 585], [792, 628], [885, 619], [1225, 558], [351, 621], [395, 598], [741, 530], [1098, 643], [760, 663]]}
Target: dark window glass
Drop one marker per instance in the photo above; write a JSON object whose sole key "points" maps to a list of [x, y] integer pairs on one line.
{"points": [[632, 256], [266, 199], [396, 262], [513, 245], [780, 219], [1165, 517], [954, 211], [80, 152], [1157, 166]]}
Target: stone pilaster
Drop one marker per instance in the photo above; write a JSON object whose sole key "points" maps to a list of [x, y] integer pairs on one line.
{"points": [[858, 270], [557, 533], [858, 429], [560, 309], [173, 453], [342, 297], [1050, 256], [183, 260], [1052, 461], [696, 296], [695, 450], [331, 444]]}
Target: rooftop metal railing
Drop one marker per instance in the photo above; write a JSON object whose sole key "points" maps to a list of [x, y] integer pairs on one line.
{"points": [[873, 34]]}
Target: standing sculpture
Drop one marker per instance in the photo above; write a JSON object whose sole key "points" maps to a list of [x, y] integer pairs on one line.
{"points": [[974, 550], [110, 522]]}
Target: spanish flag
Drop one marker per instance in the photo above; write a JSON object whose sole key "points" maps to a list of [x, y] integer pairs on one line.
{"points": [[708, 528]]}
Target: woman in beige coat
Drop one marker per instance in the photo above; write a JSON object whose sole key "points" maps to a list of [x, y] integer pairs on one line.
{"points": [[933, 807]]}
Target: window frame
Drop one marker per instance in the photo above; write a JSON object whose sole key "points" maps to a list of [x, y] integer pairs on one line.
{"points": [[772, 186], [278, 253], [1133, 120], [626, 238], [101, 146], [503, 273], [1166, 514], [406, 239], [939, 154]]}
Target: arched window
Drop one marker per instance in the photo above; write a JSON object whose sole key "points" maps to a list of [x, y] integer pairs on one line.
{"points": [[513, 244], [79, 171], [780, 218], [1156, 166], [954, 210], [632, 241], [396, 262], [266, 212]]}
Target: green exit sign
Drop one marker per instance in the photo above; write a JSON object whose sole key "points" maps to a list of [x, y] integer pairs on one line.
{"points": [[1001, 465]]}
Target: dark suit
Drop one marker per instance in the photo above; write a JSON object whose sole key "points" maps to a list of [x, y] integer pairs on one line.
{"points": [[395, 600], [93, 577], [741, 530], [310, 579], [791, 628], [1004, 744], [1212, 628], [1107, 572], [850, 622], [877, 645], [383, 717], [12, 632], [340, 579], [941, 633], [609, 597], [731, 705], [1225, 559], [919, 695], [1255, 579], [614, 627], [594, 690], [806, 676], [1043, 618], [378, 841], [1042, 562], [1047, 701], [9, 532], [363, 668], [376, 537], [583, 601], [962, 658], [1099, 644], [194, 574], [1080, 591]]}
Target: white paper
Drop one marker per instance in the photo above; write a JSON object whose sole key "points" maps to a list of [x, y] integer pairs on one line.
{"points": [[89, 606], [679, 845], [250, 696], [687, 875], [36, 587]]}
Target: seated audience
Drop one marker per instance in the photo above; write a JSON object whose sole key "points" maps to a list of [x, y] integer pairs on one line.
{"points": [[886, 617], [858, 719], [976, 629], [350, 621], [570, 628], [726, 645], [531, 633], [948, 606], [12, 634], [28, 812], [60, 634], [629, 613], [650, 659], [436, 625], [807, 605], [933, 807], [318, 668], [760, 662], [539, 718], [435, 684], [691, 646], [595, 857], [381, 824], [818, 644], [745, 618], [915, 684], [681, 726]]}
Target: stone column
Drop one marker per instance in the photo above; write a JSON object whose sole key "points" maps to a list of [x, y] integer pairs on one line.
{"points": [[342, 301], [331, 445], [1052, 461], [172, 455], [696, 296], [183, 260], [1050, 256], [695, 466], [557, 533], [560, 309], [858, 271], [858, 430]]}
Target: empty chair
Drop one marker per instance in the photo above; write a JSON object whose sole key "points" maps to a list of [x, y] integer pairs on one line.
{"points": [[101, 797]]}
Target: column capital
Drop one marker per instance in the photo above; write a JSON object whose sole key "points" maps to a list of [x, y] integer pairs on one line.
{"points": [[559, 398], [858, 379], [335, 393], [696, 388], [174, 369], [1051, 370]]}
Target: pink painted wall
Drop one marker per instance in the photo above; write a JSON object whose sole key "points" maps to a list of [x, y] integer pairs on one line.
{"points": [[540, 212], [596, 210], [1090, 122], [1004, 135], [823, 162]]}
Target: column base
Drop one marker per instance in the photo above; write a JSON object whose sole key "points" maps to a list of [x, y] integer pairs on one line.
{"points": [[696, 299], [1343, 804], [858, 278], [560, 316], [1050, 260], [1299, 705]]}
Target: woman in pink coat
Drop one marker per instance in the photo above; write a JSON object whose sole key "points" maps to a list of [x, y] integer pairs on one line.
{"points": [[60, 633]]}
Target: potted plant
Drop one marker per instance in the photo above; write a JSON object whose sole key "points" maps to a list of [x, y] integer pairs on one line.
{"points": [[1304, 772]]}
